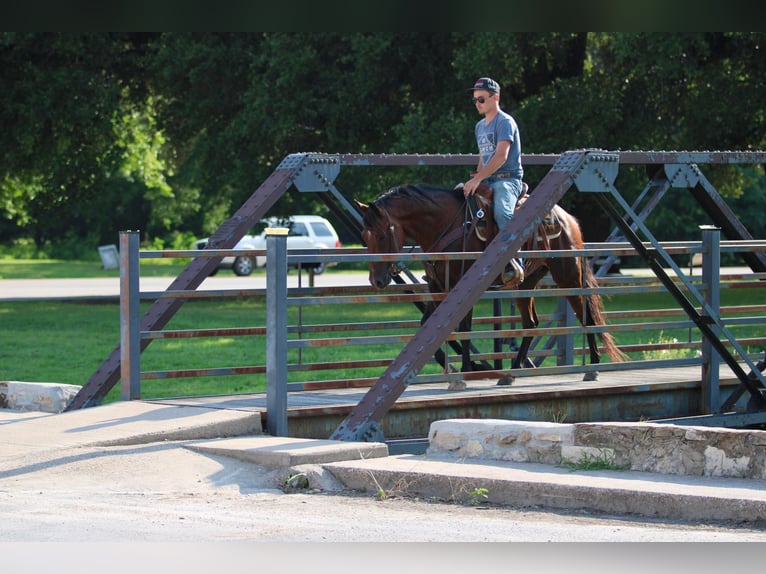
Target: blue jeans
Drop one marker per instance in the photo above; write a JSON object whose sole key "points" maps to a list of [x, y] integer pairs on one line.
{"points": [[506, 193]]}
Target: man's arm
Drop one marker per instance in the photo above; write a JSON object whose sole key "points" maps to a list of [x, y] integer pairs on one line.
{"points": [[498, 159]]}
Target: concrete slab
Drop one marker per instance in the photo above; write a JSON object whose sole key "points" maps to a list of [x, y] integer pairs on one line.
{"points": [[526, 484], [28, 441], [279, 452], [123, 423]]}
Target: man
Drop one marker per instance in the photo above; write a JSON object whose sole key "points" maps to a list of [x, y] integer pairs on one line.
{"points": [[497, 136]]}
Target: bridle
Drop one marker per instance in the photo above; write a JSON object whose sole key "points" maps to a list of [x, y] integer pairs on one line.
{"points": [[448, 236], [393, 268]]}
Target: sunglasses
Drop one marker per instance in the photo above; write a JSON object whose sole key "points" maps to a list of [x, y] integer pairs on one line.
{"points": [[480, 99]]}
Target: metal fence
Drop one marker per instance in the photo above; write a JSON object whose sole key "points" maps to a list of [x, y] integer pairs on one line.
{"points": [[288, 348]]}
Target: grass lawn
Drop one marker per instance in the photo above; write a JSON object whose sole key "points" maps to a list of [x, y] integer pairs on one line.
{"points": [[65, 342]]}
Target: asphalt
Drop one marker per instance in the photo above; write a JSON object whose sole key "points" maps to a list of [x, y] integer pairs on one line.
{"points": [[109, 287], [370, 467]]}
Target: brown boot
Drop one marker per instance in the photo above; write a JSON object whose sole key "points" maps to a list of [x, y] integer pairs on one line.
{"points": [[513, 275]]}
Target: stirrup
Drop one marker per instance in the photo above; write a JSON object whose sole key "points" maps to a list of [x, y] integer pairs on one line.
{"points": [[513, 275]]}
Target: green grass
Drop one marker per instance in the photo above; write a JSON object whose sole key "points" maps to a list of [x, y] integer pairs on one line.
{"points": [[60, 269], [48, 341], [65, 342]]}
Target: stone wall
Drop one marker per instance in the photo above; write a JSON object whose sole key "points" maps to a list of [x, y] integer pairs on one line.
{"points": [[648, 447]]}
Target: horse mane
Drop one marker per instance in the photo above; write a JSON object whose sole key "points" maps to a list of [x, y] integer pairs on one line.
{"points": [[420, 195]]}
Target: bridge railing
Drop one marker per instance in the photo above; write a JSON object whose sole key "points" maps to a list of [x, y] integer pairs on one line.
{"points": [[289, 351]]}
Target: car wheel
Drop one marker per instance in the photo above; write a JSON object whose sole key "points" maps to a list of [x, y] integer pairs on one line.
{"points": [[243, 266]]}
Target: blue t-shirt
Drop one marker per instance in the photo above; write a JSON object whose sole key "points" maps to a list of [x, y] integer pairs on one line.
{"points": [[502, 127]]}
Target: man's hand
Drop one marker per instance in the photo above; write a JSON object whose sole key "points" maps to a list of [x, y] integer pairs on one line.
{"points": [[469, 187]]}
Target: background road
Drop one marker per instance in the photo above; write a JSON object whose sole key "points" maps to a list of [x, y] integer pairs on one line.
{"points": [[26, 289]]}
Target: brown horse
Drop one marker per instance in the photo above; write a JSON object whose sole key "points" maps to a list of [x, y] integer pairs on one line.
{"points": [[438, 220]]}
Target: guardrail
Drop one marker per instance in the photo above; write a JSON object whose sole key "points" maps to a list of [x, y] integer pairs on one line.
{"points": [[288, 359]]}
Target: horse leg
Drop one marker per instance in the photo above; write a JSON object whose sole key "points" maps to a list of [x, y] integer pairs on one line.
{"points": [[440, 356], [522, 358], [465, 345], [529, 320], [582, 312]]}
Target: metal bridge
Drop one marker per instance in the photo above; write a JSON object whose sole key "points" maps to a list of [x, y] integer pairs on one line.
{"points": [[589, 171]]}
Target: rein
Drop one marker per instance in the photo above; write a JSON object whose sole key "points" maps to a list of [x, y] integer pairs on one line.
{"points": [[393, 268], [445, 239], [448, 238], [452, 235]]}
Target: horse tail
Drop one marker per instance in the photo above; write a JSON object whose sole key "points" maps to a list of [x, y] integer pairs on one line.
{"points": [[594, 306]]}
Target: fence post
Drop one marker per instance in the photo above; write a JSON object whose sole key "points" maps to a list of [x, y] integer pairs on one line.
{"points": [[711, 273], [565, 343], [276, 331], [130, 311]]}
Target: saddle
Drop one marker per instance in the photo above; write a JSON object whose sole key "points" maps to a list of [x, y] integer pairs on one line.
{"points": [[483, 219]]}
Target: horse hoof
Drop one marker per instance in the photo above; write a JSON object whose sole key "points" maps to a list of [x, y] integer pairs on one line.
{"points": [[457, 386], [505, 381], [592, 376]]}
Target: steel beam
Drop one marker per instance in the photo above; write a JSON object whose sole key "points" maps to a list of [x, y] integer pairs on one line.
{"points": [[162, 310], [363, 422], [317, 172], [708, 323], [626, 158]]}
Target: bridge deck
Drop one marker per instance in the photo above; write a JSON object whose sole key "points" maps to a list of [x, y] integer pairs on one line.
{"points": [[624, 396]]}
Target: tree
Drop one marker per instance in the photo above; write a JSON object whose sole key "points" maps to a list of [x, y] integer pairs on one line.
{"points": [[171, 132]]}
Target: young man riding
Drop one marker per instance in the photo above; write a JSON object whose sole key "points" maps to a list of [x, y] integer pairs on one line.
{"points": [[499, 141]]}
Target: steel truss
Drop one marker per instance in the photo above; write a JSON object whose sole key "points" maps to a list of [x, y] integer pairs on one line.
{"points": [[588, 170]]}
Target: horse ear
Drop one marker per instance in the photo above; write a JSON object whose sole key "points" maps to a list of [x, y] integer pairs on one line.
{"points": [[362, 206]]}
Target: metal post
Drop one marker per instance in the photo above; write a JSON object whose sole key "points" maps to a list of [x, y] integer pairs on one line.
{"points": [[565, 343], [276, 330], [130, 325], [711, 273], [497, 344]]}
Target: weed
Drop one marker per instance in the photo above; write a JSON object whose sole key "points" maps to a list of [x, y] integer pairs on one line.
{"points": [[478, 496], [296, 480], [672, 351], [604, 460]]}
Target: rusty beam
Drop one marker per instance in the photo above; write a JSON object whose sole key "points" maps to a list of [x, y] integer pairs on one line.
{"points": [[625, 158], [162, 310], [363, 422]]}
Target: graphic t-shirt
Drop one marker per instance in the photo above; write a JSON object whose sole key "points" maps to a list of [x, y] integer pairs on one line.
{"points": [[502, 127]]}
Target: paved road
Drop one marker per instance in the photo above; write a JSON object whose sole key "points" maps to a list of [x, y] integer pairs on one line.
{"points": [[145, 472], [26, 289]]}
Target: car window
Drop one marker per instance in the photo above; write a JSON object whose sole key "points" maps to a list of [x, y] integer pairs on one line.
{"points": [[320, 229], [298, 228]]}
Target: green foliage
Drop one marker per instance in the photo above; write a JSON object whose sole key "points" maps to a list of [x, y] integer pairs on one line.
{"points": [[170, 133]]}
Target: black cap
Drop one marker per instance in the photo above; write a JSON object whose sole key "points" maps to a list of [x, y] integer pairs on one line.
{"points": [[487, 84]]}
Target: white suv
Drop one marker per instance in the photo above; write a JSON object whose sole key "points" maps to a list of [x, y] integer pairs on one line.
{"points": [[306, 232]]}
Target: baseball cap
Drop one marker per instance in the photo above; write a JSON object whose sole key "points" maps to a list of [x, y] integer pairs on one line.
{"points": [[487, 84]]}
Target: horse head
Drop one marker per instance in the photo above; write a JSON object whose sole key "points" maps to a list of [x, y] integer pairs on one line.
{"points": [[381, 235]]}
